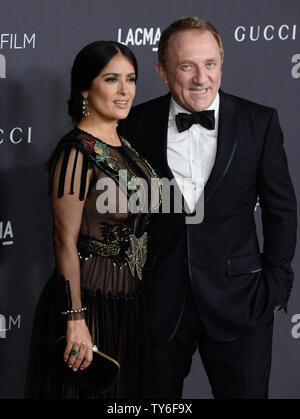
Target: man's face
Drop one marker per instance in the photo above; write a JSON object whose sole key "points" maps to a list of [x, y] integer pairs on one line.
{"points": [[193, 69]]}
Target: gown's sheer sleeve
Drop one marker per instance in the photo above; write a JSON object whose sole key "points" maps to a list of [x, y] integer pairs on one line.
{"points": [[69, 176]]}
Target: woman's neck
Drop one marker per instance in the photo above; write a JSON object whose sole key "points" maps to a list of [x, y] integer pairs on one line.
{"points": [[105, 131]]}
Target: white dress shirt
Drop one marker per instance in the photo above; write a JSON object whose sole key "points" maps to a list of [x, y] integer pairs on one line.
{"points": [[191, 154]]}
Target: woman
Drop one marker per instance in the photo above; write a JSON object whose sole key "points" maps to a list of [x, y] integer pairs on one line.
{"points": [[99, 243]]}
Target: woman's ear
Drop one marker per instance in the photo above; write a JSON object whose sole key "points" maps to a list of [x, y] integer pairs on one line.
{"points": [[85, 94]]}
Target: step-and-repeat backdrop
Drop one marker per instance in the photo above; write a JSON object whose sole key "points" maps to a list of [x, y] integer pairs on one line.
{"points": [[38, 42]]}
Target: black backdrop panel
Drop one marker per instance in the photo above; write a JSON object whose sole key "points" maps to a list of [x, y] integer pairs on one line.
{"points": [[38, 42]]}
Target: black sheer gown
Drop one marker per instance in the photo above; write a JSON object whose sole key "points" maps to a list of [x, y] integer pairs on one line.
{"points": [[112, 249]]}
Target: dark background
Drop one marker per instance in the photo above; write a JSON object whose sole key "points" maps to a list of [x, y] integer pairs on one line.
{"points": [[33, 117]]}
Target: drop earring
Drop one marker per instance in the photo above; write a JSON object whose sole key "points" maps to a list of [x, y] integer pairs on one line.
{"points": [[85, 107]]}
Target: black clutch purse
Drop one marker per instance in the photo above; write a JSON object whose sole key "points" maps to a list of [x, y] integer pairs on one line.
{"points": [[98, 377]]}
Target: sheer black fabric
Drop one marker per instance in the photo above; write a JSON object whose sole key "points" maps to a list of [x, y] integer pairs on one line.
{"points": [[110, 285]]}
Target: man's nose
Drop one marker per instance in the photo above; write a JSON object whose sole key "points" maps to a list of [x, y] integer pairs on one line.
{"points": [[200, 76]]}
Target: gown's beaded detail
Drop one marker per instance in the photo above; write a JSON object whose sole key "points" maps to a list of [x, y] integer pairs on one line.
{"points": [[137, 254]]}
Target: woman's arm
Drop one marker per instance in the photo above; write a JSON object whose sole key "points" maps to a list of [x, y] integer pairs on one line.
{"points": [[67, 214]]}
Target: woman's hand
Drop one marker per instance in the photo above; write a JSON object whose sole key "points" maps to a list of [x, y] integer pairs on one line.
{"points": [[78, 337]]}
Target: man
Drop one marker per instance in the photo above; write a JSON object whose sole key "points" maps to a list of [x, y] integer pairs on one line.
{"points": [[208, 284]]}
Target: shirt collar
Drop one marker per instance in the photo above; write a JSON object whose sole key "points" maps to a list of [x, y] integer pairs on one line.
{"points": [[175, 108]]}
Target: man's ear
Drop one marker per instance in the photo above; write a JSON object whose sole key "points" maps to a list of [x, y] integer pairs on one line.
{"points": [[162, 72]]}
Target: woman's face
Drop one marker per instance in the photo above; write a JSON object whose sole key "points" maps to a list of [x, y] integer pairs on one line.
{"points": [[111, 94]]}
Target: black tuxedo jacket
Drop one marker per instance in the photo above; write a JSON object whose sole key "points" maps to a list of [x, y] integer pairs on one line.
{"points": [[234, 285]]}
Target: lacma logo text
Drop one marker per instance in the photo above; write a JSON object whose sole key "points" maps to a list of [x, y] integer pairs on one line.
{"points": [[140, 36]]}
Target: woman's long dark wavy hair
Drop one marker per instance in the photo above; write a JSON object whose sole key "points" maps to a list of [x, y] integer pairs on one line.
{"points": [[88, 63]]}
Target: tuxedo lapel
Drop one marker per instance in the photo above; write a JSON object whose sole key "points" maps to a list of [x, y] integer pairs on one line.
{"points": [[227, 141]]}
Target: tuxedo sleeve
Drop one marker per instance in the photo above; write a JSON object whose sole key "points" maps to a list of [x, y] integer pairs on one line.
{"points": [[279, 214]]}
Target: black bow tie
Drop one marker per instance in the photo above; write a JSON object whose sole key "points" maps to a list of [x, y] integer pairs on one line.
{"points": [[205, 118]]}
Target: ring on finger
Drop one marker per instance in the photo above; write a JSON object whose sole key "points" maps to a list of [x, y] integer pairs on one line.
{"points": [[74, 351]]}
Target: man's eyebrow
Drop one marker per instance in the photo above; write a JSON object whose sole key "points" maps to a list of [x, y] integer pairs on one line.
{"points": [[192, 61]]}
